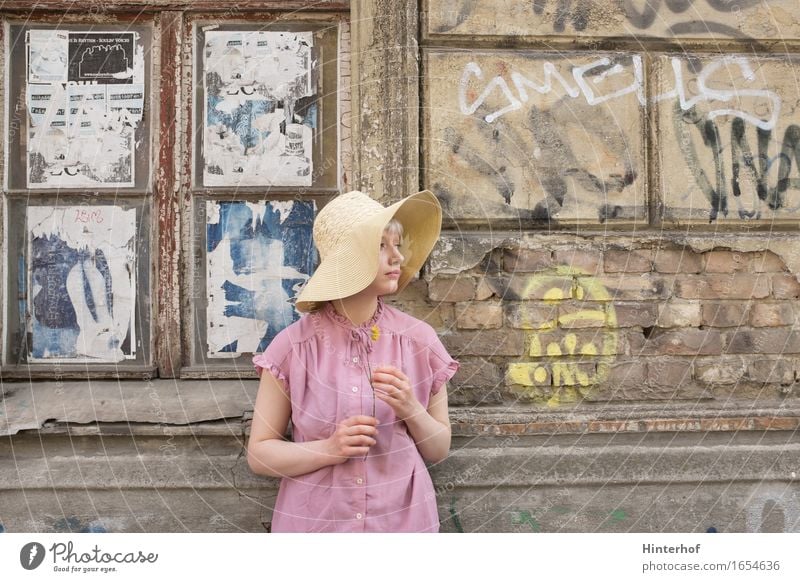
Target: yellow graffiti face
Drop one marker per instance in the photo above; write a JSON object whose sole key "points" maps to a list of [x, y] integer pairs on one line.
{"points": [[571, 347]]}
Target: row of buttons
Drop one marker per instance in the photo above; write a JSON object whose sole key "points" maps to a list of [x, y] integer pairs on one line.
{"points": [[359, 481]]}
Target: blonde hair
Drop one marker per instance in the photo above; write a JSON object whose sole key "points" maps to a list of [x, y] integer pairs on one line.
{"points": [[395, 227]]}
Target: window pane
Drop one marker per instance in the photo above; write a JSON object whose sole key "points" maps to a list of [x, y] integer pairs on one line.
{"points": [[80, 95], [266, 106], [82, 283], [257, 256]]}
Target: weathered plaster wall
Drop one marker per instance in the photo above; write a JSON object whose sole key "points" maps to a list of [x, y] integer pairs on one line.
{"points": [[619, 277]]}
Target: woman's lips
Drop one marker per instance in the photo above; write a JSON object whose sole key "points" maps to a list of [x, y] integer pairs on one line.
{"points": [[393, 274]]}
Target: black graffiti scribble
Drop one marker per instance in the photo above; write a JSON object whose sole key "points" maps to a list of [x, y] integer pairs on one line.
{"points": [[743, 162], [644, 19], [579, 14], [558, 160], [639, 13]]}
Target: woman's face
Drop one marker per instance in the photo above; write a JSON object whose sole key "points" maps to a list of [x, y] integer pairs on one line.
{"points": [[390, 259]]}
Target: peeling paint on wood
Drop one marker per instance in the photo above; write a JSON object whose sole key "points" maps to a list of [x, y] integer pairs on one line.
{"points": [[156, 5], [168, 349]]}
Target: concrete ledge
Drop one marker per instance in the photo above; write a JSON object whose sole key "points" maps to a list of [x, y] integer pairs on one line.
{"points": [[194, 482], [31, 405]]}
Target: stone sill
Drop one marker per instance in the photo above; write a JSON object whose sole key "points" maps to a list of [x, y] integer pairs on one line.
{"points": [[224, 408]]}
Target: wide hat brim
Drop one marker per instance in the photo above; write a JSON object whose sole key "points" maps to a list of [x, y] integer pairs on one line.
{"points": [[353, 265]]}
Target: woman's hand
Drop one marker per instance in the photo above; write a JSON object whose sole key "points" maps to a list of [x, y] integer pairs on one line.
{"points": [[393, 387], [353, 437]]}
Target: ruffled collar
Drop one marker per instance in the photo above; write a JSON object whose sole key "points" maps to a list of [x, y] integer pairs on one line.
{"points": [[340, 319], [365, 334]]}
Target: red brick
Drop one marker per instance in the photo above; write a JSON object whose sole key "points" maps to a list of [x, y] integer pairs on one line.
{"points": [[477, 372], [416, 290], [492, 262], [532, 315], [633, 287], [474, 396], [668, 374], [440, 316], [679, 314], [479, 315], [772, 372], [483, 290], [634, 341], [528, 374], [785, 287], [526, 261], [490, 342], [579, 260], [626, 381], [452, 289], [632, 374], [719, 286], [685, 342], [771, 314], [568, 373], [724, 314], [767, 262], [562, 342], [771, 340], [634, 261], [678, 261], [726, 261], [574, 314], [520, 287], [632, 315], [724, 370]]}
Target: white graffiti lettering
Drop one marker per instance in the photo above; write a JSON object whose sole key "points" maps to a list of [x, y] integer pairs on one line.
{"points": [[732, 97]]}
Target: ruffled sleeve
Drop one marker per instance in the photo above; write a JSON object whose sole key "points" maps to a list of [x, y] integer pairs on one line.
{"points": [[276, 358], [443, 367]]}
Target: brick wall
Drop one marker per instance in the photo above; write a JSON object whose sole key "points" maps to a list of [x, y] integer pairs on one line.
{"points": [[621, 185], [554, 326]]}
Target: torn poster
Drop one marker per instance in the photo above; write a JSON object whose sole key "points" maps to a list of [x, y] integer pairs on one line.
{"points": [[257, 257], [260, 109], [105, 57], [81, 275], [47, 56], [82, 118]]}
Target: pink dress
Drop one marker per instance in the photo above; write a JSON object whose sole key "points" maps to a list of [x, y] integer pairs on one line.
{"points": [[322, 361]]}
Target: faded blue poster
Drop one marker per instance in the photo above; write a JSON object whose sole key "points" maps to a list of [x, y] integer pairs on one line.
{"points": [[257, 257], [82, 265], [260, 108]]}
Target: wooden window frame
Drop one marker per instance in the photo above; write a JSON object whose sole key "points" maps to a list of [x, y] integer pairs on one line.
{"points": [[379, 143]]}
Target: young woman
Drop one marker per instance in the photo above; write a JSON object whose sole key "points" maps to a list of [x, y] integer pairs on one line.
{"points": [[362, 382]]}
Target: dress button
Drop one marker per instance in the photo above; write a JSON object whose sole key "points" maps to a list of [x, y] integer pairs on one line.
{"points": [[355, 359], [355, 388], [359, 516], [359, 480]]}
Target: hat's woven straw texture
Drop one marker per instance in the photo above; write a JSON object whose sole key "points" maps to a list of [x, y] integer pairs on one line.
{"points": [[341, 217], [347, 233]]}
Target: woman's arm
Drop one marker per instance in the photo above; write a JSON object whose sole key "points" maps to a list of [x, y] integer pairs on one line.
{"points": [[269, 454], [430, 428]]}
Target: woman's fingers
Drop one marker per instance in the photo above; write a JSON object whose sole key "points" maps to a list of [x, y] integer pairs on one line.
{"points": [[386, 388], [360, 440], [360, 419], [361, 429], [393, 372]]}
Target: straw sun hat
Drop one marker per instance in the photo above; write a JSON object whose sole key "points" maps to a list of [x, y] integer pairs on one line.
{"points": [[347, 233]]}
